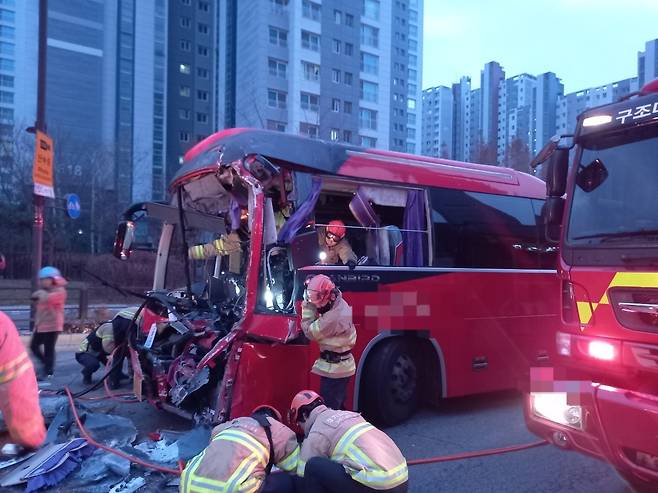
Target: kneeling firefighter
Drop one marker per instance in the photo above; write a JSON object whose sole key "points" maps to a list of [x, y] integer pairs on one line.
{"points": [[342, 452], [100, 343], [241, 454], [327, 319]]}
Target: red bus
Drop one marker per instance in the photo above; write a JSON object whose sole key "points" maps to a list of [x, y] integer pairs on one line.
{"points": [[454, 286], [609, 283]]}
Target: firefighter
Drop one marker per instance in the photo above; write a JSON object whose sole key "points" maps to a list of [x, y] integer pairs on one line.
{"points": [[241, 454], [101, 342], [334, 247], [49, 319], [327, 319], [342, 452], [19, 393]]}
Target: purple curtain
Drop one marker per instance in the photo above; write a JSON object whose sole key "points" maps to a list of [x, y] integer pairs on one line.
{"points": [[301, 215], [414, 218]]}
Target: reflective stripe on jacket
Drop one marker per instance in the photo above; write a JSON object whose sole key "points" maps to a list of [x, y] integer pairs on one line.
{"points": [[367, 453], [237, 456], [49, 315], [333, 331], [19, 393]]}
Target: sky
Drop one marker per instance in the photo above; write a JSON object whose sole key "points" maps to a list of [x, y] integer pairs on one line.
{"points": [[585, 42]]}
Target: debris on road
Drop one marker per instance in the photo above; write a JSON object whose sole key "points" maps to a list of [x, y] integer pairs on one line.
{"points": [[129, 486]]}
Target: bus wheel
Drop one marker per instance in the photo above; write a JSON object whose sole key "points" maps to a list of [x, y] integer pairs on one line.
{"points": [[390, 382]]}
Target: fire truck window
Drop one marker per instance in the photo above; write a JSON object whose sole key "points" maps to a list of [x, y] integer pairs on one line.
{"points": [[478, 230]]}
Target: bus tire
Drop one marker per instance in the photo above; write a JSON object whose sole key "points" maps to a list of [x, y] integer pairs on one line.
{"points": [[390, 382]]}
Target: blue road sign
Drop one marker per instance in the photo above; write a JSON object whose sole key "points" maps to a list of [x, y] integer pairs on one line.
{"points": [[73, 205]]}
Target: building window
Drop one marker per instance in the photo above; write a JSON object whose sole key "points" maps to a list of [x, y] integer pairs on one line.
{"points": [[336, 45], [347, 136], [348, 78], [413, 30], [334, 134], [411, 89], [311, 71], [6, 64], [279, 6], [276, 99], [335, 105], [185, 91], [347, 107], [185, 22], [310, 41], [276, 125], [184, 68], [369, 91], [202, 95], [186, 2], [6, 81], [6, 115], [413, 45], [411, 104], [338, 17], [369, 63], [335, 76], [204, 6], [184, 136], [184, 114], [277, 68], [185, 45], [310, 10], [7, 32], [278, 37], [371, 9], [202, 117], [309, 101], [370, 142], [202, 50], [412, 74], [6, 15], [349, 49], [203, 28], [369, 36], [411, 148], [349, 20], [413, 60], [368, 119], [202, 72], [309, 130]]}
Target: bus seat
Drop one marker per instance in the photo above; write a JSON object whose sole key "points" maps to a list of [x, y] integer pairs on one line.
{"points": [[363, 211], [390, 246]]}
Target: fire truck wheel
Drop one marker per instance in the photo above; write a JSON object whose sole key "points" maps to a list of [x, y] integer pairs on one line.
{"points": [[390, 382]]}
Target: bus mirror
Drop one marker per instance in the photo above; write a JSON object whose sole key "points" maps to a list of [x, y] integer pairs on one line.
{"points": [[590, 177], [304, 250], [556, 174], [546, 152], [123, 240], [551, 213]]}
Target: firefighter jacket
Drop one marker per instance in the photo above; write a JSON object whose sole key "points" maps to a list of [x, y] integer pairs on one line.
{"points": [[238, 454], [368, 454], [100, 342], [336, 336], [340, 253], [19, 393], [50, 308], [225, 245]]}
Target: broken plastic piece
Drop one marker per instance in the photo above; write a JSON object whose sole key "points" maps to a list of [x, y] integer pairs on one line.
{"points": [[128, 486]]}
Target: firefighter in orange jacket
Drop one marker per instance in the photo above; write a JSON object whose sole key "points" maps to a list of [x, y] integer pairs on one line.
{"points": [[327, 319], [19, 393], [342, 452], [241, 454]]}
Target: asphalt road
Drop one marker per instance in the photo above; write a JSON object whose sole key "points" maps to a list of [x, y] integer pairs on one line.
{"points": [[461, 425]]}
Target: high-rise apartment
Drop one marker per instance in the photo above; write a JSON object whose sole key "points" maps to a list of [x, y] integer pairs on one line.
{"points": [[647, 63], [336, 70], [490, 85], [516, 114], [461, 119], [549, 89], [437, 122]]}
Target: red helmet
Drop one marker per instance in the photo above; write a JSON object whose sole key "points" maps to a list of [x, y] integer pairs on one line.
{"points": [[268, 410], [319, 290], [303, 398], [336, 228]]}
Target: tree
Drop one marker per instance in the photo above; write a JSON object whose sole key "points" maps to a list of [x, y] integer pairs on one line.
{"points": [[484, 153], [444, 152], [517, 156]]}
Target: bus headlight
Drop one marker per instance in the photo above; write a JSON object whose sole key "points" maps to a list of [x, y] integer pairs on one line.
{"points": [[553, 406]]}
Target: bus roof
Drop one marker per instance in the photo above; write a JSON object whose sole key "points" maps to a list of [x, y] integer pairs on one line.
{"points": [[352, 161]]}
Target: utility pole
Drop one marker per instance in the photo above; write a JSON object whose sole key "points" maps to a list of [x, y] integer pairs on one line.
{"points": [[40, 125]]}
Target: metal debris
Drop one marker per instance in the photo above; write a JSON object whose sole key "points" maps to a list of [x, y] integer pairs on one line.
{"points": [[128, 486]]}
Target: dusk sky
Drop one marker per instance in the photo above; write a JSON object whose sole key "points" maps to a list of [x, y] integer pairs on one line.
{"points": [[585, 42]]}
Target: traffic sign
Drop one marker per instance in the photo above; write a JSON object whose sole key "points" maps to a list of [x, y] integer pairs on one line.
{"points": [[73, 205], [42, 171]]}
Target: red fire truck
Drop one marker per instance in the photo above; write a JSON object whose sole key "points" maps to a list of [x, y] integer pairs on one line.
{"points": [[602, 398], [453, 288]]}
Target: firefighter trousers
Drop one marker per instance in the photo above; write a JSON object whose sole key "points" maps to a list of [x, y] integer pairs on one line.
{"points": [[47, 355], [322, 475], [333, 391]]}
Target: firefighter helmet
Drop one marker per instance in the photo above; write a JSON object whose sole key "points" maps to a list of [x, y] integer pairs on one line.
{"points": [[49, 272], [337, 229], [269, 411], [303, 398], [319, 290]]}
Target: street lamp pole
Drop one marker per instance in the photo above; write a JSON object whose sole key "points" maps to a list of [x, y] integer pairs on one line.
{"points": [[40, 124]]}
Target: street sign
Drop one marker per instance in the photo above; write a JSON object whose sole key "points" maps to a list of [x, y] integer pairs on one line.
{"points": [[42, 171], [73, 205]]}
